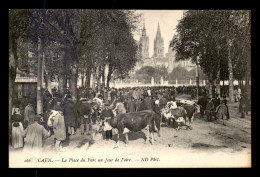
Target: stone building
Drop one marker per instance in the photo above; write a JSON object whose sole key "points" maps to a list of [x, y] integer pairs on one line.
{"points": [[159, 58]]}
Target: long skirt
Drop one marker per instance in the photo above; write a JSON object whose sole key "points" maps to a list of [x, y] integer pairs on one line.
{"points": [[17, 137]]}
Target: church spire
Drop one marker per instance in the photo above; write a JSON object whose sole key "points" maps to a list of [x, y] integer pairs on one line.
{"points": [[144, 31], [158, 34]]}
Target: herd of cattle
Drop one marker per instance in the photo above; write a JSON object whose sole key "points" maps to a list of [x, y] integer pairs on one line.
{"points": [[180, 113]]}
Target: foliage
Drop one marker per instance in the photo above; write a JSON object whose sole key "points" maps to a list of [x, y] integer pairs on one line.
{"points": [[203, 35]]}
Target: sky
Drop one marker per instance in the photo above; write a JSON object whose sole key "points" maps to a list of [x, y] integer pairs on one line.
{"points": [[168, 20]]}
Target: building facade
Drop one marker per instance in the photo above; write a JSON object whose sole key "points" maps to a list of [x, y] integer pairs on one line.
{"points": [[159, 58]]}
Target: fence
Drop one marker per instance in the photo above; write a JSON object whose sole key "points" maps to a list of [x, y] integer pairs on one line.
{"points": [[175, 83]]}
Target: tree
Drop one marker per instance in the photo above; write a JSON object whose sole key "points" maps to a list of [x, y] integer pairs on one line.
{"points": [[110, 44], [18, 28], [215, 37], [179, 73], [146, 73]]}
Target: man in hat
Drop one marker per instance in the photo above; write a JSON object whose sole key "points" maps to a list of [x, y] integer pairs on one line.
{"points": [[59, 128], [243, 105], [106, 114], [120, 107], [57, 106], [34, 135], [69, 115], [54, 92], [48, 105], [29, 114], [84, 112], [142, 105], [216, 101], [131, 105], [203, 103], [209, 109], [163, 101], [148, 102], [224, 101]]}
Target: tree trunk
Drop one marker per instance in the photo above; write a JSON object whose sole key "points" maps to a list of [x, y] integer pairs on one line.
{"points": [[74, 75], [61, 81], [61, 72], [230, 72], [103, 80], [87, 80], [93, 86], [48, 82], [98, 84], [110, 71], [218, 73], [108, 80], [39, 76], [218, 82], [82, 81], [66, 80], [98, 75], [73, 84], [210, 89], [12, 76]]}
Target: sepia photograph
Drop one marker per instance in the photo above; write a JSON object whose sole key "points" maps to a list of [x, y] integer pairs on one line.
{"points": [[117, 88]]}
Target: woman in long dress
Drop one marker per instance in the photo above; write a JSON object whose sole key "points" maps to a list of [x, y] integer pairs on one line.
{"points": [[17, 129]]}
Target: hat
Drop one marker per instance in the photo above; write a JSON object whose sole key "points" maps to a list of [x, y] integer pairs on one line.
{"points": [[58, 99], [69, 96], [16, 110], [57, 108], [83, 99], [37, 117]]}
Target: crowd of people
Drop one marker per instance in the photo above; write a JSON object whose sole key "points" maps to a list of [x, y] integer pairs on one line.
{"points": [[29, 129]]}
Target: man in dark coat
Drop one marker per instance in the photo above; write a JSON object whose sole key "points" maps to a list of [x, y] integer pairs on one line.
{"points": [[48, 105], [243, 105], [57, 106], [29, 114], [69, 115], [225, 102], [153, 93], [216, 101], [148, 102], [209, 109], [84, 112], [131, 105], [162, 102], [105, 115], [203, 103], [142, 105]]}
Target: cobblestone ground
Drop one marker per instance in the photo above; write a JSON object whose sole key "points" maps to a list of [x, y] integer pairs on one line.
{"points": [[208, 144]]}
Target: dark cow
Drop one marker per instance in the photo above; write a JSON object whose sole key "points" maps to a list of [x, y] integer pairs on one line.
{"points": [[190, 112], [135, 122]]}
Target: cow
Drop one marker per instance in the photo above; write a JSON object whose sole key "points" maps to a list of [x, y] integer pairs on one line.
{"points": [[179, 112], [190, 112], [136, 121]]}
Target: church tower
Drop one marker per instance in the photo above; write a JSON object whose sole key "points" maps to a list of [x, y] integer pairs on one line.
{"points": [[144, 44], [158, 44]]}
